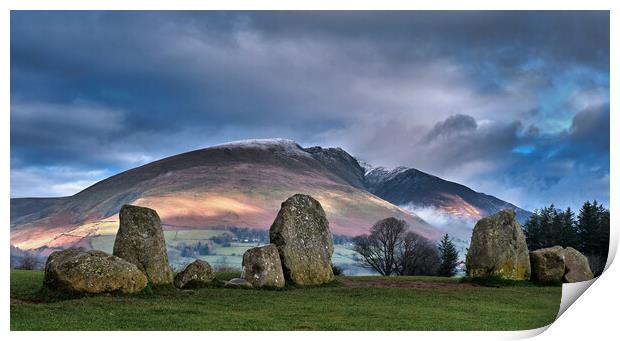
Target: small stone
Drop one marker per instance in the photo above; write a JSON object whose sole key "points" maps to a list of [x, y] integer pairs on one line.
{"points": [[196, 275], [79, 271], [262, 267], [548, 264], [237, 283], [577, 266]]}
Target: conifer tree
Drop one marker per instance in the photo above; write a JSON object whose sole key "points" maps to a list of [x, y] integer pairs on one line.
{"points": [[449, 257], [588, 232]]}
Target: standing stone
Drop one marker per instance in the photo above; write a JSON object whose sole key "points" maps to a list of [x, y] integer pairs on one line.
{"points": [[498, 248], [548, 264], [195, 275], [577, 266], [93, 272], [301, 234], [140, 240], [262, 267]]}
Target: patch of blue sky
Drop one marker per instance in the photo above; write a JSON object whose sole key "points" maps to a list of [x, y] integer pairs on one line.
{"points": [[533, 64], [524, 150], [555, 112]]}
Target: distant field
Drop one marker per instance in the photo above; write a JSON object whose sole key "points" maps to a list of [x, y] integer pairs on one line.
{"points": [[232, 256], [343, 255], [224, 256], [106, 242], [352, 303], [174, 237], [103, 243]]}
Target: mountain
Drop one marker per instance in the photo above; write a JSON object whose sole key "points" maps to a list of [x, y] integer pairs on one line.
{"points": [[408, 186], [450, 206], [453, 207], [241, 184]]}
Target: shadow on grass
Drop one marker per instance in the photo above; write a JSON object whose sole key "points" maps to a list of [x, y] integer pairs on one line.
{"points": [[498, 282], [50, 295]]}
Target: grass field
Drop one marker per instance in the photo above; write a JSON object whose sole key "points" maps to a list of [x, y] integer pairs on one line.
{"points": [[351, 303], [106, 242]]}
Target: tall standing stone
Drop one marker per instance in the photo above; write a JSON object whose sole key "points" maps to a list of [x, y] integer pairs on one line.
{"points": [[301, 234], [498, 248], [140, 240], [262, 267]]}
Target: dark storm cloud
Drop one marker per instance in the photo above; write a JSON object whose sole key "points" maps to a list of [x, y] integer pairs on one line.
{"points": [[518, 97], [567, 36], [452, 125], [520, 163], [590, 128]]}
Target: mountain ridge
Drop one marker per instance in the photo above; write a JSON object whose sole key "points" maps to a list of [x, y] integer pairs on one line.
{"points": [[235, 184], [400, 184], [242, 183]]}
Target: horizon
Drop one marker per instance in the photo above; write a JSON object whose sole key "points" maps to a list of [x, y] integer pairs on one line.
{"points": [[521, 114], [360, 162]]}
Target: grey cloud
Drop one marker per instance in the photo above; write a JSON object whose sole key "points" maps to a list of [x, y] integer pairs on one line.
{"points": [[590, 127], [451, 126], [384, 85], [569, 36]]}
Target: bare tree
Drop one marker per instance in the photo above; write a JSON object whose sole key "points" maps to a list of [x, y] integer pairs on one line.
{"points": [[418, 256], [380, 249], [390, 249], [28, 262]]}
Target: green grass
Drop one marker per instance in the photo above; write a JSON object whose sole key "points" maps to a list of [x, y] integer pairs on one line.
{"points": [[498, 282], [329, 307], [190, 236], [237, 249], [428, 279], [103, 243]]}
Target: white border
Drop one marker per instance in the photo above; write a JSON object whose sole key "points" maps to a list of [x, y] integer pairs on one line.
{"points": [[594, 315]]}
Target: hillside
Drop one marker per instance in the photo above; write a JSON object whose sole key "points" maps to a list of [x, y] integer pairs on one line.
{"points": [[410, 187], [238, 184]]}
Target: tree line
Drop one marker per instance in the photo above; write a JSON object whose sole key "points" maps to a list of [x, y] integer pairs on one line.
{"points": [[586, 231], [392, 249]]}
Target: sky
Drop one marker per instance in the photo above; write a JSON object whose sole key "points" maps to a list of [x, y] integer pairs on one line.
{"points": [[513, 104]]}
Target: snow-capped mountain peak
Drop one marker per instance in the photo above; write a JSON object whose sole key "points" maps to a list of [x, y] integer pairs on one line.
{"points": [[288, 146]]}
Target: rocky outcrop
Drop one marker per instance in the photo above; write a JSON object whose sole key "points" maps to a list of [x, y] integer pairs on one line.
{"points": [[498, 248], [237, 283], [93, 272], [548, 265], [557, 264], [262, 267], [196, 275], [577, 266], [301, 234], [140, 240]]}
